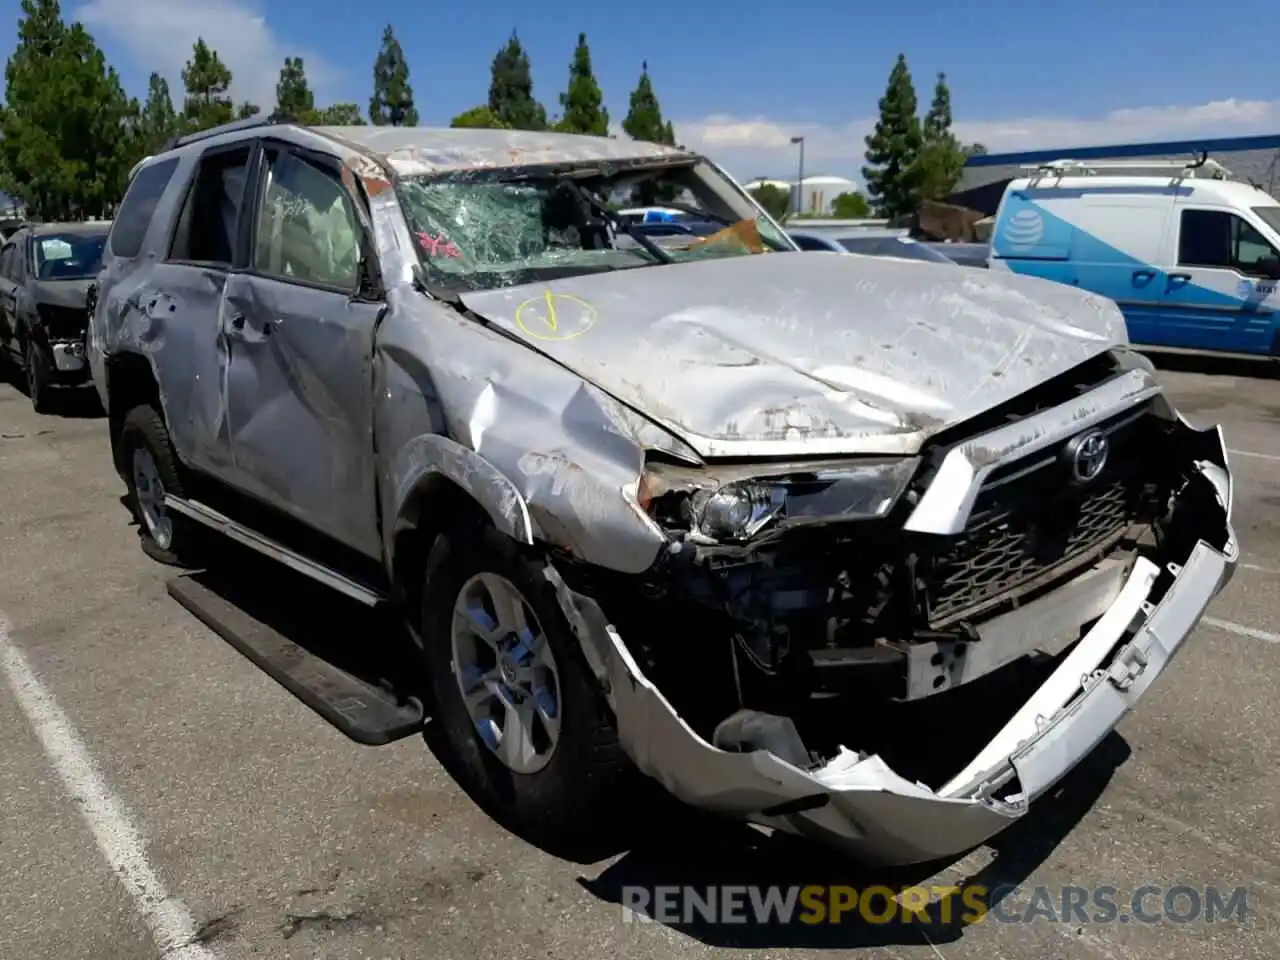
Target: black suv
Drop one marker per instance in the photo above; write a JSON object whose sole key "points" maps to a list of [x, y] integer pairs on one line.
{"points": [[46, 271]]}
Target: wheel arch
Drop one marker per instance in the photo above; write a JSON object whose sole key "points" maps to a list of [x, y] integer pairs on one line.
{"points": [[440, 484], [131, 381]]}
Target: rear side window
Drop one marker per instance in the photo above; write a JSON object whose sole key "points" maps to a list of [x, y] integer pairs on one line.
{"points": [[134, 215], [209, 222]]}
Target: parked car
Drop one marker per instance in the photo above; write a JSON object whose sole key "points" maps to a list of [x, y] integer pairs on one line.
{"points": [[639, 506], [873, 243], [46, 271]]}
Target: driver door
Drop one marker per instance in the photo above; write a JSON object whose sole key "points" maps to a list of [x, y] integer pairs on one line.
{"points": [[299, 325], [1219, 295]]}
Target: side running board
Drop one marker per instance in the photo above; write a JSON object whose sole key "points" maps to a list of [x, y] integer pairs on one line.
{"points": [[276, 551]]}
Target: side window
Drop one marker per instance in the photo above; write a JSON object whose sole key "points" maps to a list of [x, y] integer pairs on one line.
{"points": [[207, 226], [307, 228], [1216, 238], [1251, 249], [134, 215]]}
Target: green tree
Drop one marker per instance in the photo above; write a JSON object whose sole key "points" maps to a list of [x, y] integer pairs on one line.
{"points": [[293, 95], [158, 122], [336, 115], [941, 155], [893, 148], [392, 101], [511, 89], [68, 132], [480, 117], [206, 79], [851, 206], [582, 102], [644, 122], [246, 110], [775, 200]]}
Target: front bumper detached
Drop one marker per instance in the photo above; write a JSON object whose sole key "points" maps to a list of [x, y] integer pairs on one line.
{"points": [[857, 802]]}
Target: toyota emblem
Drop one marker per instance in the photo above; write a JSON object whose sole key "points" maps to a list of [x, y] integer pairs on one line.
{"points": [[1086, 455]]}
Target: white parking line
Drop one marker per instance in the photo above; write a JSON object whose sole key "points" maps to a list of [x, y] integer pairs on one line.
{"points": [[1250, 453], [1251, 632], [170, 922]]}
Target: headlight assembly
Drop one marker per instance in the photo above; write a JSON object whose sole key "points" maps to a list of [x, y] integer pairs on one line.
{"points": [[733, 506]]}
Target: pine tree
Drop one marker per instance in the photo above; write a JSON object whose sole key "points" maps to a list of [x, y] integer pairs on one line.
{"points": [[159, 122], [644, 122], [511, 99], [392, 101], [644, 118], [582, 102], [941, 155], [293, 95], [68, 132], [893, 149], [206, 79]]}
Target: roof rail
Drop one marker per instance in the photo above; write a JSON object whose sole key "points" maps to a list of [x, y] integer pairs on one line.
{"points": [[1088, 168], [249, 123]]}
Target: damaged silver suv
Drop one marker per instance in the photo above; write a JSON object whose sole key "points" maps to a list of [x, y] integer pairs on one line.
{"points": [[642, 500]]}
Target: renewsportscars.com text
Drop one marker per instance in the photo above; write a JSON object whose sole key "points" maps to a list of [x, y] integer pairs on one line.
{"points": [[818, 904]]}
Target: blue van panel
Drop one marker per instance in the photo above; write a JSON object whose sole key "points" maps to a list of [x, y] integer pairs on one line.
{"points": [[1160, 309]]}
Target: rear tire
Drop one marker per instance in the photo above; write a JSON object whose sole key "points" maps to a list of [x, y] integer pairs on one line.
{"points": [[151, 470], [567, 794]]}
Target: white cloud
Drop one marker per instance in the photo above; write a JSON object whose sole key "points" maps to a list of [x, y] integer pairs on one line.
{"points": [[158, 36], [757, 146]]}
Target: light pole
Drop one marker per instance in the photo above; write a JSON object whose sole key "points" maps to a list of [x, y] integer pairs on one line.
{"points": [[800, 180]]}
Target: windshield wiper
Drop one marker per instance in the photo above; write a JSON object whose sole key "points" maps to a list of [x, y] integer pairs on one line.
{"points": [[619, 225]]}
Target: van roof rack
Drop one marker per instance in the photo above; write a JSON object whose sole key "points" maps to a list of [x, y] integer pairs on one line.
{"points": [[249, 123], [1088, 168]]}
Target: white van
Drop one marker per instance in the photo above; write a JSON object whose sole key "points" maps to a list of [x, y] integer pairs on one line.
{"points": [[1191, 257]]}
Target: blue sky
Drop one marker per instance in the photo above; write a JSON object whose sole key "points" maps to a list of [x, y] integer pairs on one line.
{"points": [[739, 78]]}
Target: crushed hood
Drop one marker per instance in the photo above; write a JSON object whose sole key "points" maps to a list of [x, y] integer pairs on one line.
{"points": [[806, 353], [63, 293]]}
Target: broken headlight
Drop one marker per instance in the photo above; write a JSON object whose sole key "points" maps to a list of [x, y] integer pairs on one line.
{"points": [[735, 508], [735, 511]]}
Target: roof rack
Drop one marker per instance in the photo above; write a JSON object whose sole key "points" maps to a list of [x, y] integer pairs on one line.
{"points": [[249, 123], [1090, 168]]}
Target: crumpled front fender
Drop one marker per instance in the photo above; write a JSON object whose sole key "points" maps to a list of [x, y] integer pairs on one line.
{"points": [[857, 802]]}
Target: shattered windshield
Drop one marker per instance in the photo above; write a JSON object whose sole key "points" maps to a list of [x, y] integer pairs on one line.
{"points": [[492, 229]]}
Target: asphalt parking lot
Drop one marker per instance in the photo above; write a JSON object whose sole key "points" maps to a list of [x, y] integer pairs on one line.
{"points": [[160, 796]]}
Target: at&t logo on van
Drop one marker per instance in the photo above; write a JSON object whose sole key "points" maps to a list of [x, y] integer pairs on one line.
{"points": [[1024, 229]]}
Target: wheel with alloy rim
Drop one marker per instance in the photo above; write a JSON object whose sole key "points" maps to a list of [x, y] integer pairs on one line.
{"points": [[521, 714], [150, 472], [506, 673], [149, 490]]}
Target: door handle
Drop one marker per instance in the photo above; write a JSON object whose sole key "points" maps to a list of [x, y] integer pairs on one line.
{"points": [[1143, 274], [237, 321], [1184, 277]]}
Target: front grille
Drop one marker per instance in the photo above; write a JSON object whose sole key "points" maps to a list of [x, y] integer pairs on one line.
{"points": [[1030, 526], [64, 323]]}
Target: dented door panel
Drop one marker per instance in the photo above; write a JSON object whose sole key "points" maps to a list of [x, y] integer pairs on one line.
{"points": [[176, 312], [298, 398]]}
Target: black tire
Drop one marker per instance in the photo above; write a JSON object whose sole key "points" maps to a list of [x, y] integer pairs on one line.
{"points": [[571, 799], [37, 377], [143, 428]]}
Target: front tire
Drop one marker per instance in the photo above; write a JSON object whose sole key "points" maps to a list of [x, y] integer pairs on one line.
{"points": [[520, 711], [151, 471], [37, 378]]}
